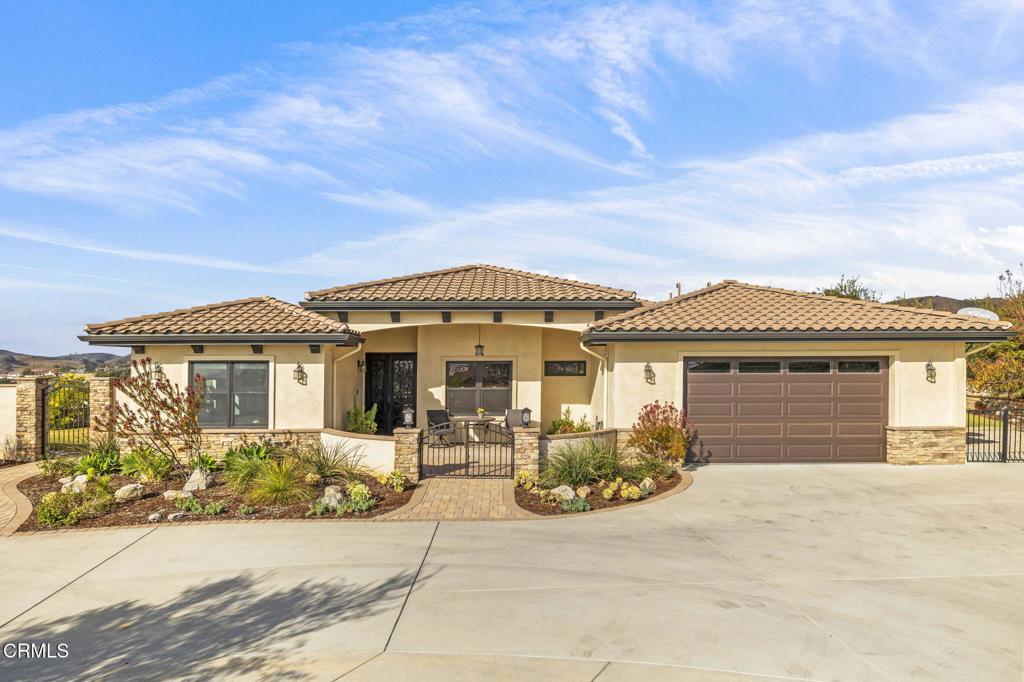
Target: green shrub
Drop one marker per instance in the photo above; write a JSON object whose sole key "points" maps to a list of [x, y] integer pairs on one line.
{"points": [[203, 462], [147, 465], [647, 466], [565, 424], [102, 462], [67, 509], [318, 508], [360, 492], [213, 508], [246, 510], [243, 465], [396, 480], [576, 504], [333, 459], [581, 462], [191, 504], [280, 482], [356, 506], [359, 420], [57, 466]]}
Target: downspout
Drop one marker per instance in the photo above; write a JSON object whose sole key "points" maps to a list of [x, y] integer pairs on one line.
{"points": [[604, 369], [334, 379]]}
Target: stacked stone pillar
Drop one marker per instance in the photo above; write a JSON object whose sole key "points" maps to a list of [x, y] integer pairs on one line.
{"points": [[407, 453], [29, 423], [527, 449], [101, 401]]}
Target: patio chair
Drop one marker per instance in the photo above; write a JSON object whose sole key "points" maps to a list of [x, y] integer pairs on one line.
{"points": [[439, 423]]}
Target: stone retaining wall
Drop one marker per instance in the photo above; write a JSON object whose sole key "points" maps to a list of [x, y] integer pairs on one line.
{"points": [[923, 445]]}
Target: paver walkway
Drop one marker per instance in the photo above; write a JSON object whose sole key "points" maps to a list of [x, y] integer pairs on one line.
{"points": [[14, 507], [462, 499]]}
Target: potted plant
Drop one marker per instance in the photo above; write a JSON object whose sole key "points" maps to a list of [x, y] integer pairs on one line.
{"points": [[480, 412]]}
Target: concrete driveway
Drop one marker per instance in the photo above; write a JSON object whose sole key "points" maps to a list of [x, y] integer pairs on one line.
{"points": [[814, 572]]}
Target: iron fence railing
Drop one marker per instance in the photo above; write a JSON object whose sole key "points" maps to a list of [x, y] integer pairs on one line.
{"points": [[467, 448], [995, 435]]}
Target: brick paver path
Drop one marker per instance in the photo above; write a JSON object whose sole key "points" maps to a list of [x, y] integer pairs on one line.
{"points": [[14, 507], [462, 499]]}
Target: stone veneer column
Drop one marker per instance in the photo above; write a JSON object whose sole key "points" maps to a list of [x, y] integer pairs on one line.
{"points": [[622, 437], [29, 418], [527, 448], [407, 453], [101, 401], [926, 445]]}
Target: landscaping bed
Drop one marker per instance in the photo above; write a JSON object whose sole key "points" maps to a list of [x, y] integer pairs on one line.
{"points": [[535, 504], [137, 512]]}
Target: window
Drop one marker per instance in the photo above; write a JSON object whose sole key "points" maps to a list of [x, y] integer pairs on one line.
{"points": [[759, 366], [235, 394], [708, 367], [860, 366], [470, 385], [809, 366], [565, 368]]}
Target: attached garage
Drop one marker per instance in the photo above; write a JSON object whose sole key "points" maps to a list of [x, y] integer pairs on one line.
{"points": [[788, 409]]}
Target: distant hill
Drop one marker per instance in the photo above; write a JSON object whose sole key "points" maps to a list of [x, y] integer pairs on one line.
{"points": [[12, 362], [949, 305]]}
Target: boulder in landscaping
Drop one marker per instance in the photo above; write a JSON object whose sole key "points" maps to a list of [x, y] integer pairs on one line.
{"points": [[562, 493], [155, 516], [199, 480], [176, 516], [333, 497], [649, 484], [64, 480], [127, 493], [172, 495], [76, 485], [583, 491]]}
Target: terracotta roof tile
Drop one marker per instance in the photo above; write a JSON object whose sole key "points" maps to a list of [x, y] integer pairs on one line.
{"points": [[732, 306], [257, 315], [473, 283]]}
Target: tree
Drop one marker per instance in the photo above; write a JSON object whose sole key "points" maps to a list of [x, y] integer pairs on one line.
{"points": [[998, 371], [850, 287], [159, 415]]}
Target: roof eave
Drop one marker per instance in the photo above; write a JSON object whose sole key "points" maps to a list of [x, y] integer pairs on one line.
{"points": [[337, 339], [600, 337], [335, 306]]}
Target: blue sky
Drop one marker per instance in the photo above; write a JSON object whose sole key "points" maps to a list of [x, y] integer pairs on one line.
{"points": [[165, 154]]}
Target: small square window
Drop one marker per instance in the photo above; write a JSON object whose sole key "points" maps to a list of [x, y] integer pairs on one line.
{"points": [[809, 366], [708, 367], [497, 316], [759, 367], [396, 316], [565, 368], [598, 315], [446, 316], [549, 315], [860, 366], [343, 316]]}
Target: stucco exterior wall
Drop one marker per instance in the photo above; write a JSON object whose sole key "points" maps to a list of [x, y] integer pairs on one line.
{"points": [[378, 452], [8, 411], [913, 400], [373, 320], [559, 393], [292, 405]]}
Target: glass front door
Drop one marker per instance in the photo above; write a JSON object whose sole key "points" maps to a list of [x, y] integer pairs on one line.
{"points": [[391, 386]]}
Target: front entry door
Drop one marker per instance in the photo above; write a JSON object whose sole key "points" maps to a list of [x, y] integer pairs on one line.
{"points": [[391, 386]]}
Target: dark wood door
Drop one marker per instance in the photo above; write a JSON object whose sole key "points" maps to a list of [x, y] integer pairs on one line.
{"points": [[788, 409], [391, 386]]}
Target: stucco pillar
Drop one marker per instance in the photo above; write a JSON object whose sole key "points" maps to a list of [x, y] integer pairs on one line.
{"points": [[407, 453], [101, 402], [527, 448], [29, 424]]}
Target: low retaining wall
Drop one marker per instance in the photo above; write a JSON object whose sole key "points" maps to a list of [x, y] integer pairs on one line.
{"points": [[926, 445], [378, 451], [8, 417], [554, 443], [218, 441]]}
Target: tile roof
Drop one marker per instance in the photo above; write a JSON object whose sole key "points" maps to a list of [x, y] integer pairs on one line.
{"points": [[473, 283], [257, 315], [732, 306]]}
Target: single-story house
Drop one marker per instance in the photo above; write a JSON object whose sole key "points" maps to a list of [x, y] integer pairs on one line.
{"points": [[765, 374]]}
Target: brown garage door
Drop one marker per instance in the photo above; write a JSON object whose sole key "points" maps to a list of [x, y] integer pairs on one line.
{"points": [[788, 409]]}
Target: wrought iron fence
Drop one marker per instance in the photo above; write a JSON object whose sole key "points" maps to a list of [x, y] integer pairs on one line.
{"points": [[66, 415], [467, 448], [995, 435]]}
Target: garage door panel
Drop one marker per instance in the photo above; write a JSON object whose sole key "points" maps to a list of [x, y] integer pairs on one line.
{"points": [[782, 417]]}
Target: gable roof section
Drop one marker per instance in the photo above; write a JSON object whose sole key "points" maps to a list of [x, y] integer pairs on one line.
{"points": [[469, 284], [260, 318], [738, 310]]}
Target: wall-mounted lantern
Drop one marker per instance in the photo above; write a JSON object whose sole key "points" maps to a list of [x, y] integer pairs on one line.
{"points": [[527, 415], [361, 365], [649, 375], [929, 371], [408, 417], [299, 374]]}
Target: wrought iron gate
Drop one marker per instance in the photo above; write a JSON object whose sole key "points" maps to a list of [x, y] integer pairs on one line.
{"points": [[995, 435], [467, 448], [66, 417]]}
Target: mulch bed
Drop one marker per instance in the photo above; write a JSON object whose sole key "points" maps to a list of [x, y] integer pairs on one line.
{"points": [[532, 503], [137, 512]]}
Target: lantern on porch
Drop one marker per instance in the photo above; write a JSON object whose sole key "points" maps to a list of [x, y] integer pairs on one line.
{"points": [[299, 373], [478, 349], [526, 416], [929, 372], [408, 417]]}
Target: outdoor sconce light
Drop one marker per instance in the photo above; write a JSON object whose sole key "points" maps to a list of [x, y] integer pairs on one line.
{"points": [[649, 375], [361, 365], [408, 417], [526, 416], [929, 371], [299, 373]]}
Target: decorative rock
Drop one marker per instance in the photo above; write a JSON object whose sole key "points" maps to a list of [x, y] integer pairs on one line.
{"points": [[649, 484], [332, 490], [333, 497], [64, 480], [132, 491], [563, 492], [76, 485], [583, 491], [199, 480], [172, 495], [154, 517], [176, 516]]}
